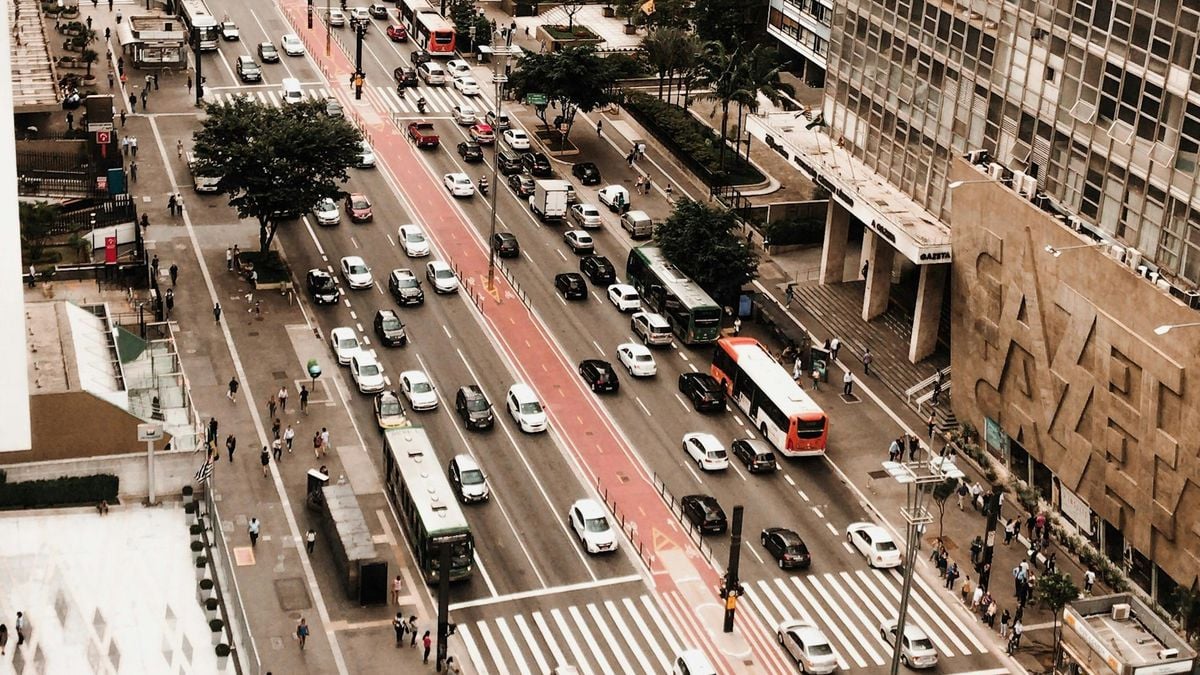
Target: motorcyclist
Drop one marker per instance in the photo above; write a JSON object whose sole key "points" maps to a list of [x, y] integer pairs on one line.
{"points": [[483, 185], [421, 104], [400, 90]]}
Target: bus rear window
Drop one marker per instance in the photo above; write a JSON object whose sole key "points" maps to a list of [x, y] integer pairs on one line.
{"points": [[810, 428], [443, 38]]}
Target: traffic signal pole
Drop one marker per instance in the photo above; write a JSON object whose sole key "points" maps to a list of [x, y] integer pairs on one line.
{"points": [[360, 30], [443, 624], [733, 587]]}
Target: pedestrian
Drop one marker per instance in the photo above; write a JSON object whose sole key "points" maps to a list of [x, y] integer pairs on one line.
{"points": [[317, 444], [230, 446], [961, 493], [125, 145], [149, 81], [452, 666], [179, 148], [1009, 531], [1005, 618], [1017, 629], [155, 81], [144, 97], [4, 631], [931, 424], [89, 19], [599, 127], [253, 529], [154, 266], [833, 347], [816, 378], [629, 158], [966, 590], [272, 403], [976, 549], [237, 257], [216, 311], [133, 167], [894, 450], [1052, 562], [867, 360], [275, 426], [397, 586], [302, 632], [283, 397], [668, 190], [976, 494], [174, 272], [848, 384], [20, 626], [110, 5], [71, 116], [170, 301], [937, 389], [277, 449], [639, 185], [265, 458], [428, 643], [990, 619], [398, 626], [737, 325], [914, 446], [326, 446], [789, 294], [132, 102], [797, 371], [952, 575], [171, 205], [233, 387], [189, 84], [288, 435], [229, 259], [123, 114], [310, 540], [412, 628], [1089, 579], [110, 81], [304, 399], [212, 430], [976, 597]]}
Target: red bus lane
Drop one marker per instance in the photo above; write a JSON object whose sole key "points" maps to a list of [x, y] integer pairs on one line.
{"points": [[683, 582]]}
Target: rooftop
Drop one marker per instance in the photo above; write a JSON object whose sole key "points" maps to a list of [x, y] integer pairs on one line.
{"points": [[1122, 630], [70, 350]]}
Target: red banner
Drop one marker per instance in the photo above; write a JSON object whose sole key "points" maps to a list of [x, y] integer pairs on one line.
{"points": [[110, 250]]}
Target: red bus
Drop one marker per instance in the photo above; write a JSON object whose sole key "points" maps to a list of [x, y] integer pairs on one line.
{"points": [[434, 33], [766, 392]]}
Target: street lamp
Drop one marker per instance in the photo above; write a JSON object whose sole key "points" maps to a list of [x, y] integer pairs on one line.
{"points": [[1168, 327], [1057, 251], [918, 477], [499, 79]]}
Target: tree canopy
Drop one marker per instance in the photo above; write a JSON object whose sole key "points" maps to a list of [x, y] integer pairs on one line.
{"points": [[573, 79], [731, 22], [704, 244], [1054, 591], [273, 162], [37, 222]]}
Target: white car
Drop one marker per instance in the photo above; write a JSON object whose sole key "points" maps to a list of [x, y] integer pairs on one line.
{"points": [[458, 184], [441, 276], [637, 359], [579, 241], [708, 453], [516, 139], [360, 15], [418, 390], [356, 272], [467, 85], [292, 44], [916, 650], [464, 115], [807, 646], [337, 18], [345, 344], [525, 408], [624, 297], [615, 197], [874, 542], [458, 67], [229, 31], [586, 215], [366, 156], [589, 520], [367, 372], [327, 212], [413, 240]]}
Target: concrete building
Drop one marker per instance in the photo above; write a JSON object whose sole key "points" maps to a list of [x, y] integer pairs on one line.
{"points": [[1120, 635], [154, 41], [802, 28]]}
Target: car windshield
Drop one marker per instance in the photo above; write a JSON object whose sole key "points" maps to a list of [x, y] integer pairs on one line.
{"points": [[886, 545], [359, 203], [472, 477], [322, 283], [717, 454], [443, 273], [347, 343], [706, 316], [414, 237], [389, 407], [531, 408], [644, 358], [796, 549], [358, 269], [392, 324], [476, 405], [421, 387], [406, 282], [820, 649], [368, 369], [326, 205], [596, 524]]}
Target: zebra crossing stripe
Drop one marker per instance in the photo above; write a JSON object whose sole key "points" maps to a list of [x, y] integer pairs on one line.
{"points": [[602, 625], [872, 638], [657, 619], [511, 641], [643, 629], [683, 612], [970, 634], [915, 615], [544, 629], [866, 602], [623, 630], [493, 648], [827, 625], [928, 615], [523, 628], [590, 639], [464, 632], [570, 638], [865, 643]]}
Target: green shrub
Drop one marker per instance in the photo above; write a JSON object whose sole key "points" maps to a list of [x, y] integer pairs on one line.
{"points": [[37, 494], [270, 267], [795, 231]]}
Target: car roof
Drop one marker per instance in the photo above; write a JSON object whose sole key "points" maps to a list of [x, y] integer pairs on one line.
{"points": [[415, 375], [318, 272], [573, 276], [598, 363], [871, 528], [758, 445], [522, 390], [789, 537], [465, 462], [634, 347], [365, 357], [472, 391], [807, 632], [709, 502], [505, 235], [352, 259], [437, 264], [385, 313], [590, 508], [342, 330]]}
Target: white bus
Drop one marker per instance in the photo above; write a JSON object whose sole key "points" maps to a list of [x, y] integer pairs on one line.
{"points": [[200, 24]]}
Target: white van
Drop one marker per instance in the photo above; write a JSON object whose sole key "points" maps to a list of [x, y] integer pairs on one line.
{"points": [[433, 74], [654, 329], [201, 183], [638, 224], [525, 409], [692, 662], [292, 93]]}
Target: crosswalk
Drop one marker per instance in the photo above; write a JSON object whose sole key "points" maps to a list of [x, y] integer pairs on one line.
{"points": [[438, 100], [850, 606], [619, 635]]}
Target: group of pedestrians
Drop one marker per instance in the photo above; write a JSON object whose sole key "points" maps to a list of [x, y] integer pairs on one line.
{"points": [[902, 444], [409, 628]]}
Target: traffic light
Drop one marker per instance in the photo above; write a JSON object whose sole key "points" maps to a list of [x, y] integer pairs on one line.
{"points": [[310, 14], [451, 628]]}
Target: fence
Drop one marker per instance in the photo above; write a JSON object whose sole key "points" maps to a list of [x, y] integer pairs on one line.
{"points": [[693, 532], [512, 281], [243, 650], [628, 527], [114, 211], [732, 198]]}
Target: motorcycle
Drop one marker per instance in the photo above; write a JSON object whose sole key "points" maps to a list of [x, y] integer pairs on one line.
{"points": [[483, 186], [421, 105], [400, 90]]}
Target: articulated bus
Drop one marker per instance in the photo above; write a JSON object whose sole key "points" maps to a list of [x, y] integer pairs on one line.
{"points": [[694, 316], [197, 18], [766, 392], [429, 29], [429, 513]]}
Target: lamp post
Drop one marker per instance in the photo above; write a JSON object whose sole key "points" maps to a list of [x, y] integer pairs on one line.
{"points": [[1168, 327], [328, 30], [500, 54], [918, 477]]}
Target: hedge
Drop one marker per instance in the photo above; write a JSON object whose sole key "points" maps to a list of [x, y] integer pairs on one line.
{"points": [[693, 141], [795, 231], [270, 267], [59, 492]]}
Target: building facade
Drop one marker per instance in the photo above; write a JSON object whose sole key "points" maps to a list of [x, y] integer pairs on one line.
{"points": [[802, 27]]}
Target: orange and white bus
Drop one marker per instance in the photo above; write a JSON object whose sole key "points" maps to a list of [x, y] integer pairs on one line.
{"points": [[766, 392], [429, 29]]}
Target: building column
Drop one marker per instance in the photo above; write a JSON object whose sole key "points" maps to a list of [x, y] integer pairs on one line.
{"points": [[928, 315], [833, 254], [879, 277], [866, 252]]}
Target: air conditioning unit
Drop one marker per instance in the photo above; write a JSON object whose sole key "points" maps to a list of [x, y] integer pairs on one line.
{"points": [[1028, 185], [1120, 611], [978, 157], [1116, 252], [1018, 180], [1133, 258], [1192, 299], [1163, 284], [1143, 271], [1170, 653], [996, 171]]}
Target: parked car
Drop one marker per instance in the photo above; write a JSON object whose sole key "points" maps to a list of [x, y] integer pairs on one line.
{"points": [[599, 375], [705, 512], [586, 172], [571, 285], [390, 329], [473, 407], [506, 245], [405, 287], [321, 287], [755, 453], [615, 197], [786, 547], [598, 270], [703, 390]]}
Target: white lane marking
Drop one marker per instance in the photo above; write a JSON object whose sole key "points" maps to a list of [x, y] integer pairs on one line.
{"points": [[560, 254], [379, 288], [683, 403], [544, 631], [391, 241], [575, 650], [647, 410], [738, 472], [447, 332], [688, 465], [360, 329], [789, 480], [599, 349], [493, 648], [614, 644], [847, 579], [833, 529], [946, 609], [510, 640], [354, 241], [523, 627], [316, 242], [353, 315], [487, 579], [694, 368], [817, 510], [754, 552], [642, 629], [802, 495], [893, 596], [472, 649], [589, 639]]}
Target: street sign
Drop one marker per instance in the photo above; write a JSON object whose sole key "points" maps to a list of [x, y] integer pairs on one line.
{"points": [[149, 432], [535, 99], [104, 137]]}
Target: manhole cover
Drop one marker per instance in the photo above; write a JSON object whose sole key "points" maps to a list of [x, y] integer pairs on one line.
{"points": [[279, 374], [622, 476], [292, 594]]}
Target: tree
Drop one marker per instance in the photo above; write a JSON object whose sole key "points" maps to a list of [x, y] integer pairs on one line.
{"points": [[465, 17], [573, 79], [941, 493], [704, 244], [688, 66], [37, 222], [1187, 610], [275, 161], [1055, 590], [571, 8], [730, 22], [89, 57], [721, 73], [760, 77], [662, 49]]}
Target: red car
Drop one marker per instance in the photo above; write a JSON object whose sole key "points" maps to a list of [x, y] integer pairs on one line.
{"points": [[397, 32], [482, 134], [358, 207]]}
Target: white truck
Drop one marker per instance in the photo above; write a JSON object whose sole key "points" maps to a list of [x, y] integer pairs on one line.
{"points": [[549, 199], [201, 183]]}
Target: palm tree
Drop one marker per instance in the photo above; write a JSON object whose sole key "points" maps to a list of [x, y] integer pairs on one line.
{"points": [[662, 51], [761, 72], [721, 75], [687, 65]]}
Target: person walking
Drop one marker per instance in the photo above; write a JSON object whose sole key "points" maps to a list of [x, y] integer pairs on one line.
{"points": [[1089, 580], [170, 301], [171, 205], [289, 435], [283, 397], [452, 666], [133, 168], [599, 127], [834, 346], [848, 384], [951, 575], [326, 446], [427, 641], [816, 379], [797, 371], [1017, 629], [174, 271], [304, 399], [265, 459], [1005, 618], [233, 387], [412, 628], [976, 549], [20, 626], [217, 311], [123, 117], [229, 258], [398, 625], [253, 528], [179, 148], [272, 403], [961, 493], [230, 446], [310, 540], [145, 95], [277, 449], [397, 587], [212, 430], [317, 444], [302, 632], [1008, 531], [867, 360], [275, 426], [133, 144], [3, 639], [966, 589], [189, 84]]}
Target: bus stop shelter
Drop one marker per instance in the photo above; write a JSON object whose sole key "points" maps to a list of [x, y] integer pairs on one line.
{"points": [[363, 573]]}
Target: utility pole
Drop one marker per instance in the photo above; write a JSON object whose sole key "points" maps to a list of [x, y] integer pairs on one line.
{"points": [[500, 56], [360, 31], [732, 587], [310, 14], [328, 30]]}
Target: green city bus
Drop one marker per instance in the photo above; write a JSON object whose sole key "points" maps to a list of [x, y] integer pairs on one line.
{"points": [[694, 316], [429, 513]]}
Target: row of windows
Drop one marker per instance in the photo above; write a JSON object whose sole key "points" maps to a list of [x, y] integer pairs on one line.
{"points": [[797, 32], [813, 8]]}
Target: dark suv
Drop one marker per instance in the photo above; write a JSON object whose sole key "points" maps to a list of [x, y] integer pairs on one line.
{"points": [[321, 287], [755, 454], [704, 391], [587, 173], [704, 512], [599, 375], [405, 287], [506, 245], [571, 285], [390, 329], [473, 407], [508, 160], [405, 77], [536, 163], [598, 269]]}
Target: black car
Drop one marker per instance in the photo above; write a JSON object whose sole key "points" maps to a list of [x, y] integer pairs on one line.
{"points": [[786, 547], [405, 287], [706, 393], [474, 408], [508, 161], [598, 269], [536, 163], [587, 173], [390, 329], [571, 285], [704, 512], [321, 287], [755, 454], [248, 70], [521, 184], [470, 151], [506, 245], [420, 56], [406, 77], [599, 375], [268, 53]]}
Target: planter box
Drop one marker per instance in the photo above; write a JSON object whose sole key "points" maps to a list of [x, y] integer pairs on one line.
{"points": [[630, 30], [610, 12]]}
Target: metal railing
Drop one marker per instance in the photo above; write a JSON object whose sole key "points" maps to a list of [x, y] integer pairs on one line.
{"points": [[243, 650], [516, 286], [627, 526], [693, 532]]}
